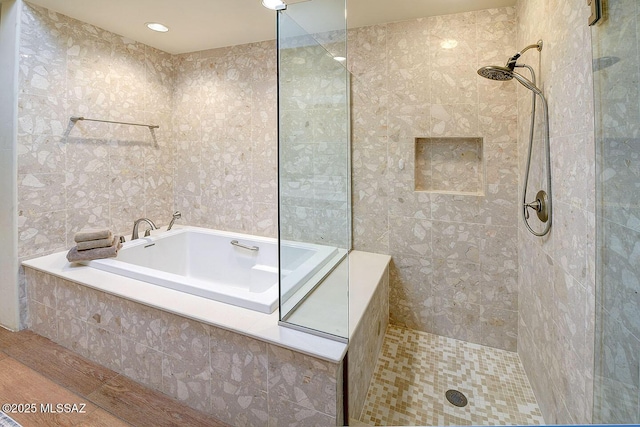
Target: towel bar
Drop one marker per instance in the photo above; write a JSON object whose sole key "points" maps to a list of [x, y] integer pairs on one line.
{"points": [[74, 119]]}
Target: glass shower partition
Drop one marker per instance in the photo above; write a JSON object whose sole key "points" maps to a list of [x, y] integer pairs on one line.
{"points": [[314, 168], [616, 73]]}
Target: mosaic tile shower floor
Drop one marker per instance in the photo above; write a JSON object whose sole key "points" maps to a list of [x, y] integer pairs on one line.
{"points": [[415, 369]]}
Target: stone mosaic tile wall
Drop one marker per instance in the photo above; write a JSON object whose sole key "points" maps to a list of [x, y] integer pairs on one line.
{"points": [[90, 174], [240, 380], [365, 345], [454, 269], [215, 151], [225, 123], [616, 58], [556, 280]]}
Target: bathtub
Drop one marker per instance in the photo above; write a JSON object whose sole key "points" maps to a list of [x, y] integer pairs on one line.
{"points": [[232, 268]]}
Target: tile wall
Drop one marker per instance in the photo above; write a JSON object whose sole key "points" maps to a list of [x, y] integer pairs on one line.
{"points": [[365, 344], [557, 274], [90, 174], [216, 110], [225, 131], [240, 380], [454, 269]]}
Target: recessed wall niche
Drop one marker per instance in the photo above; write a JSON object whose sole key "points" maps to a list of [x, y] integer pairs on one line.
{"points": [[449, 165]]}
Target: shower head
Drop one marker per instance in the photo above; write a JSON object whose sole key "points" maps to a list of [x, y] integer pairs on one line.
{"points": [[495, 72]]}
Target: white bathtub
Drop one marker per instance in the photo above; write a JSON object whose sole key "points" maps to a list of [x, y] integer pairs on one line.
{"points": [[204, 262]]}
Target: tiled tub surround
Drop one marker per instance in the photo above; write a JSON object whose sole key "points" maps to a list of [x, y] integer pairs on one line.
{"points": [[557, 274], [213, 157], [233, 363], [454, 269]]}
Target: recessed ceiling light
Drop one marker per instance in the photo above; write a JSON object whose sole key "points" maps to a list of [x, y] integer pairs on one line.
{"points": [[340, 58], [274, 4], [156, 26]]}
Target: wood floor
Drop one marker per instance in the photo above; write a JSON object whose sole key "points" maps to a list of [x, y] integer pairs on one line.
{"points": [[36, 371]]}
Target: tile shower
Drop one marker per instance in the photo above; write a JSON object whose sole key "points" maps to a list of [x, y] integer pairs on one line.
{"points": [[454, 270], [461, 262]]}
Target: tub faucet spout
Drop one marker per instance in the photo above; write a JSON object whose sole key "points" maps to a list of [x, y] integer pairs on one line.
{"points": [[136, 224]]}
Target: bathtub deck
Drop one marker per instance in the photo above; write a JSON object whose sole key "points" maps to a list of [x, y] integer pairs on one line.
{"points": [[34, 369], [250, 323]]}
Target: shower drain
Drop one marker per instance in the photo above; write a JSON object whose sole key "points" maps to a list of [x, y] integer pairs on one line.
{"points": [[456, 398]]}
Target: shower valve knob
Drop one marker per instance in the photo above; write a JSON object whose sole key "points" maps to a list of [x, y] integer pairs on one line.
{"points": [[533, 205], [539, 205]]}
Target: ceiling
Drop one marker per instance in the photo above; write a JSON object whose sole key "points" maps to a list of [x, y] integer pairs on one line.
{"points": [[205, 24]]}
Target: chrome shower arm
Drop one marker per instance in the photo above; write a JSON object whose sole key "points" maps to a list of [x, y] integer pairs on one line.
{"points": [[537, 46], [511, 62]]}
